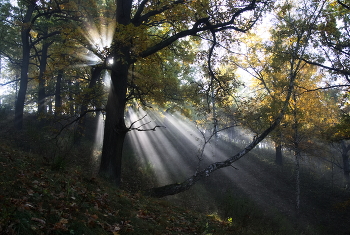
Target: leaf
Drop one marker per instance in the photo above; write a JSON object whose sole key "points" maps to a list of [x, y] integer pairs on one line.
{"points": [[63, 221]]}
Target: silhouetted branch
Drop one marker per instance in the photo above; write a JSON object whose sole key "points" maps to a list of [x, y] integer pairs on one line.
{"points": [[77, 119], [6, 83], [323, 88], [149, 129], [341, 71], [173, 189], [344, 5], [204, 27], [139, 128]]}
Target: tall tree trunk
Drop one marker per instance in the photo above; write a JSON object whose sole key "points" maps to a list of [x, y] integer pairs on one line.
{"points": [[296, 155], [115, 129], [71, 99], [345, 158], [297, 178], [42, 82], [19, 108], [95, 75], [58, 98]]}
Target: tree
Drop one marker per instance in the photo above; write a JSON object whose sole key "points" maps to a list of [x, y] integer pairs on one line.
{"points": [[145, 20], [284, 56], [33, 12]]}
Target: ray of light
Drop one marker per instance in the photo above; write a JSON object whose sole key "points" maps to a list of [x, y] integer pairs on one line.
{"points": [[99, 35], [173, 151]]}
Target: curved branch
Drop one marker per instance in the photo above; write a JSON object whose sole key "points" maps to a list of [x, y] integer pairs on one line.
{"points": [[188, 183], [138, 19], [196, 29], [340, 71]]}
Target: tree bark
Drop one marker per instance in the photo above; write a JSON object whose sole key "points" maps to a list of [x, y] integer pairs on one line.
{"points": [[19, 108]]}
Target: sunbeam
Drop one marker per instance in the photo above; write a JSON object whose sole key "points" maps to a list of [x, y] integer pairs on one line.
{"points": [[173, 149], [99, 35]]}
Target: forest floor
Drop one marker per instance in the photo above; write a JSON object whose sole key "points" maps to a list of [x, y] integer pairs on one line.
{"points": [[254, 189], [324, 209], [47, 192], [39, 197]]}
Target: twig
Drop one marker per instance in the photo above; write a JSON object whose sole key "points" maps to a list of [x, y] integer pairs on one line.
{"points": [[77, 119]]}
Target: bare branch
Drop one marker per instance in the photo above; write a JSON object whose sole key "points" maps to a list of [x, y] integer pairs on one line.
{"points": [[130, 128], [7, 83], [77, 119], [149, 129]]}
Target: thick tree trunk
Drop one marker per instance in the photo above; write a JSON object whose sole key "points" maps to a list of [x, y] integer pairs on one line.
{"points": [[115, 129], [19, 108]]}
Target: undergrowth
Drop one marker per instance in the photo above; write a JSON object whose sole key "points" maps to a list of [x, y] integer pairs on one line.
{"points": [[51, 187], [36, 199]]}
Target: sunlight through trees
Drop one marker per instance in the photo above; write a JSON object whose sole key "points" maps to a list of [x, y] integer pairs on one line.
{"points": [[178, 79]]}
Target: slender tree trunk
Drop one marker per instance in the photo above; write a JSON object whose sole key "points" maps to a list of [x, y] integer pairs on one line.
{"points": [[70, 98], [19, 108], [278, 148], [297, 179], [42, 82], [296, 155], [95, 75], [345, 158], [279, 155], [58, 98]]}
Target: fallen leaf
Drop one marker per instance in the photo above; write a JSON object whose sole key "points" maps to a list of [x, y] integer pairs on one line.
{"points": [[63, 221]]}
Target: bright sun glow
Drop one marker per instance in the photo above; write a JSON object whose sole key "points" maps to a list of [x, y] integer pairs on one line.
{"points": [[99, 36]]}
